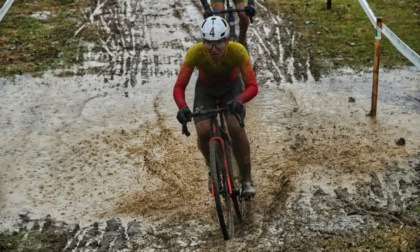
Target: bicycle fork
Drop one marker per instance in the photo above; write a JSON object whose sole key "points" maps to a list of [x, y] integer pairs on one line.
{"points": [[225, 164]]}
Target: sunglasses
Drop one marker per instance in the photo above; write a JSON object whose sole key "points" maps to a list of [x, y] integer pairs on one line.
{"points": [[218, 44]]}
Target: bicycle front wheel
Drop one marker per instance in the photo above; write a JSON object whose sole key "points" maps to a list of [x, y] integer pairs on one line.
{"points": [[235, 184], [220, 189]]}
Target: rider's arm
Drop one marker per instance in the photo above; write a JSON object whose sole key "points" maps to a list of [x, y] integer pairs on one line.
{"points": [[181, 84], [206, 4], [251, 85]]}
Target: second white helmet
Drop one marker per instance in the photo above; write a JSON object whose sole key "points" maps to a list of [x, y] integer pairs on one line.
{"points": [[214, 28]]}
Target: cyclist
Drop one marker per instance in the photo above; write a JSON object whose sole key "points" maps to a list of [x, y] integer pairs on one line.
{"points": [[243, 17], [218, 62]]}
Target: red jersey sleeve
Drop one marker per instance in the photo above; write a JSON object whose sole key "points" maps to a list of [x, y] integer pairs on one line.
{"points": [[250, 82], [181, 84]]}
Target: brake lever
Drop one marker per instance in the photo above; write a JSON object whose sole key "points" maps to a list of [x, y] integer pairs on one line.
{"points": [[185, 130], [240, 120]]}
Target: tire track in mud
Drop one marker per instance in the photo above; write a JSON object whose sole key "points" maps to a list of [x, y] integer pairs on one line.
{"points": [[134, 38], [276, 47], [141, 42]]}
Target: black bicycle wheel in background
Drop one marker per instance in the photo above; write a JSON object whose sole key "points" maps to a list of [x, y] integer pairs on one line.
{"points": [[221, 194], [235, 183]]}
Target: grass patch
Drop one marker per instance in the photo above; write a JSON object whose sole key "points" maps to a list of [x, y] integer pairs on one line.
{"points": [[39, 35], [343, 36]]}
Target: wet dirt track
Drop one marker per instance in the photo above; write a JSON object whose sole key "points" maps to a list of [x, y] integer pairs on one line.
{"points": [[105, 151]]}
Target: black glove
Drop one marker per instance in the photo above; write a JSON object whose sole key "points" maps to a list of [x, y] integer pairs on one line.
{"points": [[236, 107], [184, 115], [207, 12], [250, 11], [238, 110]]}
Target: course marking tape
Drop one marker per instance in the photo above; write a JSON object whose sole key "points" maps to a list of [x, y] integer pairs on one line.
{"points": [[5, 8], [402, 47]]}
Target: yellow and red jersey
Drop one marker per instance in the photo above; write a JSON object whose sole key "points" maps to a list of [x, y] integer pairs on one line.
{"points": [[215, 73]]}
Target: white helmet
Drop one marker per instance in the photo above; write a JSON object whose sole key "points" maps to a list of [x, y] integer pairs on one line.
{"points": [[214, 28]]}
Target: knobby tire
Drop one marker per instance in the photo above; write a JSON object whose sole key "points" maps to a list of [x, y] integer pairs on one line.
{"points": [[235, 184], [221, 193]]}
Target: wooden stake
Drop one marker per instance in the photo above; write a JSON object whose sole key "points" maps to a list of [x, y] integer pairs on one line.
{"points": [[376, 67], [329, 4]]}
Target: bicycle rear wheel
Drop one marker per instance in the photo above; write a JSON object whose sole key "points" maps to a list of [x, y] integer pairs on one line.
{"points": [[220, 189]]}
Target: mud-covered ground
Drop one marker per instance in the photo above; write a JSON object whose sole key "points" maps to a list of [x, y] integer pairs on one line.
{"points": [[97, 162]]}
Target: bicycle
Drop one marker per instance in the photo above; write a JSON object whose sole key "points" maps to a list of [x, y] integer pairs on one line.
{"points": [[226, 190], [230, 10]]}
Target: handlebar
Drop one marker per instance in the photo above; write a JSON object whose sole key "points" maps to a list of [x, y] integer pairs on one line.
{"points": [[217, 12], [211, 112]]}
